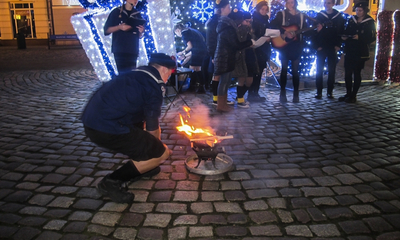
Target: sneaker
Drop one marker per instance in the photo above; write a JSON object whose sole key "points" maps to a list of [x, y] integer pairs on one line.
{"points": [[113, 189], [215, 103], [243, 105], [148, 174]]}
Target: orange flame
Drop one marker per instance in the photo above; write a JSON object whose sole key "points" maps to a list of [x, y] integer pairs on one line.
{"points": [[192, 131]]}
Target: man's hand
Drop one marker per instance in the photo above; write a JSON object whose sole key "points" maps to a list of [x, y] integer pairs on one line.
{"points": [[289, 34], [355, 37], [124, 27]]}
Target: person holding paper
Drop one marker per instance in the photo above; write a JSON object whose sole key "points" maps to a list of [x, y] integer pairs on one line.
{"points": [[263, 53], [224, 59], [126, 26]]}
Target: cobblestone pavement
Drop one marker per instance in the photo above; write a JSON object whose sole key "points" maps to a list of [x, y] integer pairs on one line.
{"points": [[318, 169]]}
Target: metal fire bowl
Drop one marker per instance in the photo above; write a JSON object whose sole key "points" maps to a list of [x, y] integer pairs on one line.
{"points": [[223, 163]]}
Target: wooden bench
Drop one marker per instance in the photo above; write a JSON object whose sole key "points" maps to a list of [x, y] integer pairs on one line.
{"points": [[61, 37]]}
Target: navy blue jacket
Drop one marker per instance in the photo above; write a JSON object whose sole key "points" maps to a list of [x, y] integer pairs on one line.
{"points": [[125, 101], [329, 36], [123, 41]]}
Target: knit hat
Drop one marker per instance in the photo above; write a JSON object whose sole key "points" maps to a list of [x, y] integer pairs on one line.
{"points": [[162, 59], [221, 3], [236, 16], [246, 15]]}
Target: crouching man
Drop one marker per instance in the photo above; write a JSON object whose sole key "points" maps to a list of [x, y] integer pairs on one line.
{"points": [[123, 116]]}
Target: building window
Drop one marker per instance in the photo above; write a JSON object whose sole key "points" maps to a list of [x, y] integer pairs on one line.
{"points": [[23, 19]]}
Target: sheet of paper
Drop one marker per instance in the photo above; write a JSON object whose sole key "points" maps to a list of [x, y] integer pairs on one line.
{"points": [[273, 33]]}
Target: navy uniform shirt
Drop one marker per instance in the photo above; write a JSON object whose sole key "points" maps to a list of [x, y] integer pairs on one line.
{"points": [[126, 100]]}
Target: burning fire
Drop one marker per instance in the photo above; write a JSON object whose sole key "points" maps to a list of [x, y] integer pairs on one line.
{"points": [[192, 131]]}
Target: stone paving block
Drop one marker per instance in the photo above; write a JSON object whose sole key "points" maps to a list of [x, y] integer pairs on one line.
{"points": [[389, 236], [98, 229], [366, 197], [237, 219], [354, 227], [201, 232], [28, 186], [41, 199], [33, 210], [261, 217], [10, 207], [234, 196], [186, 196], [106, 218], [202, 207], [187, 185], [324, 201], [386, 207], [165, 184], [12, 176], [26, 233], [267, 230], [345, 190], [255, 205], [276, 183], [230, 185], [171, 208], [64, 190], [290, 192], [301, 203], [142, 207], [384, 174], [298, 230], [53, 178], [326, 181], [80, 216], [378, 224], [131, 219], [87, 204], [213, 219], [287, 173], [55, 225], [262, 193], [226, 207], [185, 220], [7, 232], [338, 212], [18, 196], [263, 174], [384, 195], [177, 233], [150, 233], [302, 182], [325, 230], [285, 216], [368, 177], [277, 203], [317, 191], [346, 200], [238, 175], [32, 221], [157, 220], [234, 231], [364, 209], [210, 186], [211, 196], [49, 235], [62, 202], [253, 184], [75, 227], [114, 207], [301, 215], [160, 196]]}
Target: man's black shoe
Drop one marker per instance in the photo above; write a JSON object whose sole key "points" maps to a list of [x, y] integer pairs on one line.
{"points": [[342, 98], [113, 189], [256, 98], [149, 174], [330, 95], [201, 89], [318, 96], [350, 100]]}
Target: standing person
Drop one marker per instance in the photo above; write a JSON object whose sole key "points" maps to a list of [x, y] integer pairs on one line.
{"points": [[327, 42], [245, 66], [359, 33], [123, 116], [222, 8], [224, 59], [263, 53], [196, 44], [126, 26], [293, 47]]}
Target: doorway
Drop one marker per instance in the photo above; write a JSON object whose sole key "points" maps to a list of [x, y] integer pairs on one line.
{"points": [[23, 19]]}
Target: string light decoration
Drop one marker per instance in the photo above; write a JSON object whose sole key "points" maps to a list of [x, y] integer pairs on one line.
{"points": [[384, 46], [202, 10], [395, 64], [158, 36]]}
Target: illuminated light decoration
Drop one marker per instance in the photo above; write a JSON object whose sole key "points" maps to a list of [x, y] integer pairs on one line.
{"points": [[247, 5], [202, 10], [383, 45], [89, 28], [395, 53]]}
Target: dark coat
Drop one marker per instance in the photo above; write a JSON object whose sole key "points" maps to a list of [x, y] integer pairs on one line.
{"points": [[124, 41], [259, 25], [227, 45], [329, 36], [212, 35], [366, 35]]}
